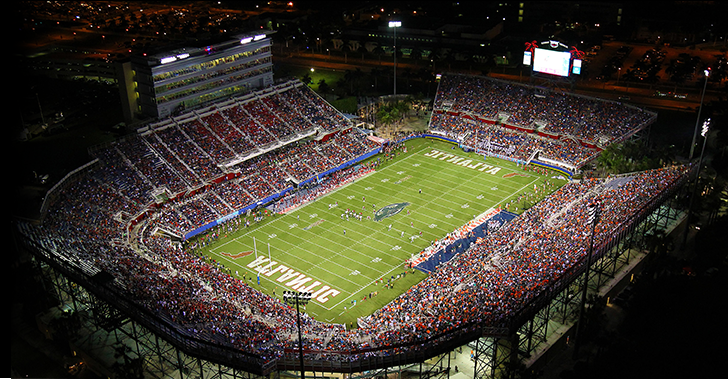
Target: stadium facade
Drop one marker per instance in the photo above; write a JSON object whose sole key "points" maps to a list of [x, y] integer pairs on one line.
{"points": [[126, 287], [167, 82]]}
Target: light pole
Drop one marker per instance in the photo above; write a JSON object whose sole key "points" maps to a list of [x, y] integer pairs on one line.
{"points": [[704, 134], [594, 212], [395, 25], [697, 121], [295, 297]]}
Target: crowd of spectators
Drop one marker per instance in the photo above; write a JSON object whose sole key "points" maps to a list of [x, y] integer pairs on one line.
{"points": [[489, 282], [236, 194], [270, 122], [205, 137], [232, 137], [256, 133], [142, 173], [483, 286], [284, 104], [522, 120], [316, 109], [294, 199], [266, 175], [179, 156]]}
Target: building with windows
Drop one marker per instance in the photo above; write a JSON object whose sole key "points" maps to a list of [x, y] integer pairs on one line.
{"points": [[164, 83]]}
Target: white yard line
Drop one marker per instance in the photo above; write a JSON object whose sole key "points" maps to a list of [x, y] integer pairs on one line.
{"points": [[462, 185]]}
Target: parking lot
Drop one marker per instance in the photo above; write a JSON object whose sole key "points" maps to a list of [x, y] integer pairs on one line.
{"points": [[679, 67]]}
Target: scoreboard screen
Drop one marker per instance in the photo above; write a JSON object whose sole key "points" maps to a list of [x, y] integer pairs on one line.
{"points": [[551, 61]]}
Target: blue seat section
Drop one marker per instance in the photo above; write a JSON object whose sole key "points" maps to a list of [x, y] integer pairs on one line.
{"points": [[457, 246]]}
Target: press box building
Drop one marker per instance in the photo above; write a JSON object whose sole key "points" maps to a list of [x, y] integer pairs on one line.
{"points": [[161, 84]]}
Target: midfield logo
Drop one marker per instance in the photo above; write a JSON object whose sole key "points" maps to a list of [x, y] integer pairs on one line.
{"points": [[317, 223], [389, 211], [403, 179]]}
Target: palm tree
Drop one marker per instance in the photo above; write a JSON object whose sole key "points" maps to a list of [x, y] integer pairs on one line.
{"points": [[354, 80], [384, 116], [375, 74], [416, 53], [323, 87], [306, 79], [403, 107]]}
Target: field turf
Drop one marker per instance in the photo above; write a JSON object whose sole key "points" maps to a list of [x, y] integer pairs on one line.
{"points": [[348, 264]]}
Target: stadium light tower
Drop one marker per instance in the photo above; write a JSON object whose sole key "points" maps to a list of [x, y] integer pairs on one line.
{"points": [[297, 298], [394, 25], [594, 212], [704, 134], [697, 121]]}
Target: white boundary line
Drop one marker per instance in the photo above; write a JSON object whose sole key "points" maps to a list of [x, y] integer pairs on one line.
{"points": [[384, 170]]}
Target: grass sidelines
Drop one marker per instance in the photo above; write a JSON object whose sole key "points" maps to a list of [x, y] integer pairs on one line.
{"points": [[355, 267]]}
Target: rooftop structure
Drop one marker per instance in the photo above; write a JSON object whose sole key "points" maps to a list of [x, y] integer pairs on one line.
{"points": [[166, 82]]}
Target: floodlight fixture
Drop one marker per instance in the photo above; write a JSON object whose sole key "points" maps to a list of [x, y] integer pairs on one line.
{"points": [[395, 25], [298, 298]]}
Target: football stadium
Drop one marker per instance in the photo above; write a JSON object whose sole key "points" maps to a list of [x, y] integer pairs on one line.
{"points": [[270, 235]]}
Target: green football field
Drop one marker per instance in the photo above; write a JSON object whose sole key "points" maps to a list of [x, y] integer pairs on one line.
{"points": [[354, 267]]}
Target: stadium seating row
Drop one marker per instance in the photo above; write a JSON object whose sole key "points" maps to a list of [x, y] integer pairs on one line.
{"points": [[518, 121]]}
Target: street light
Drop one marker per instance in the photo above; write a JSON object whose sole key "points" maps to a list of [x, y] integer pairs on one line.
{"points": [[295, 297], [594, 212], [697, 121], [395, 25]]}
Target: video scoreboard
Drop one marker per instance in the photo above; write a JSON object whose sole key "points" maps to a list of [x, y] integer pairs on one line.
{"points": [[553, 58]]}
